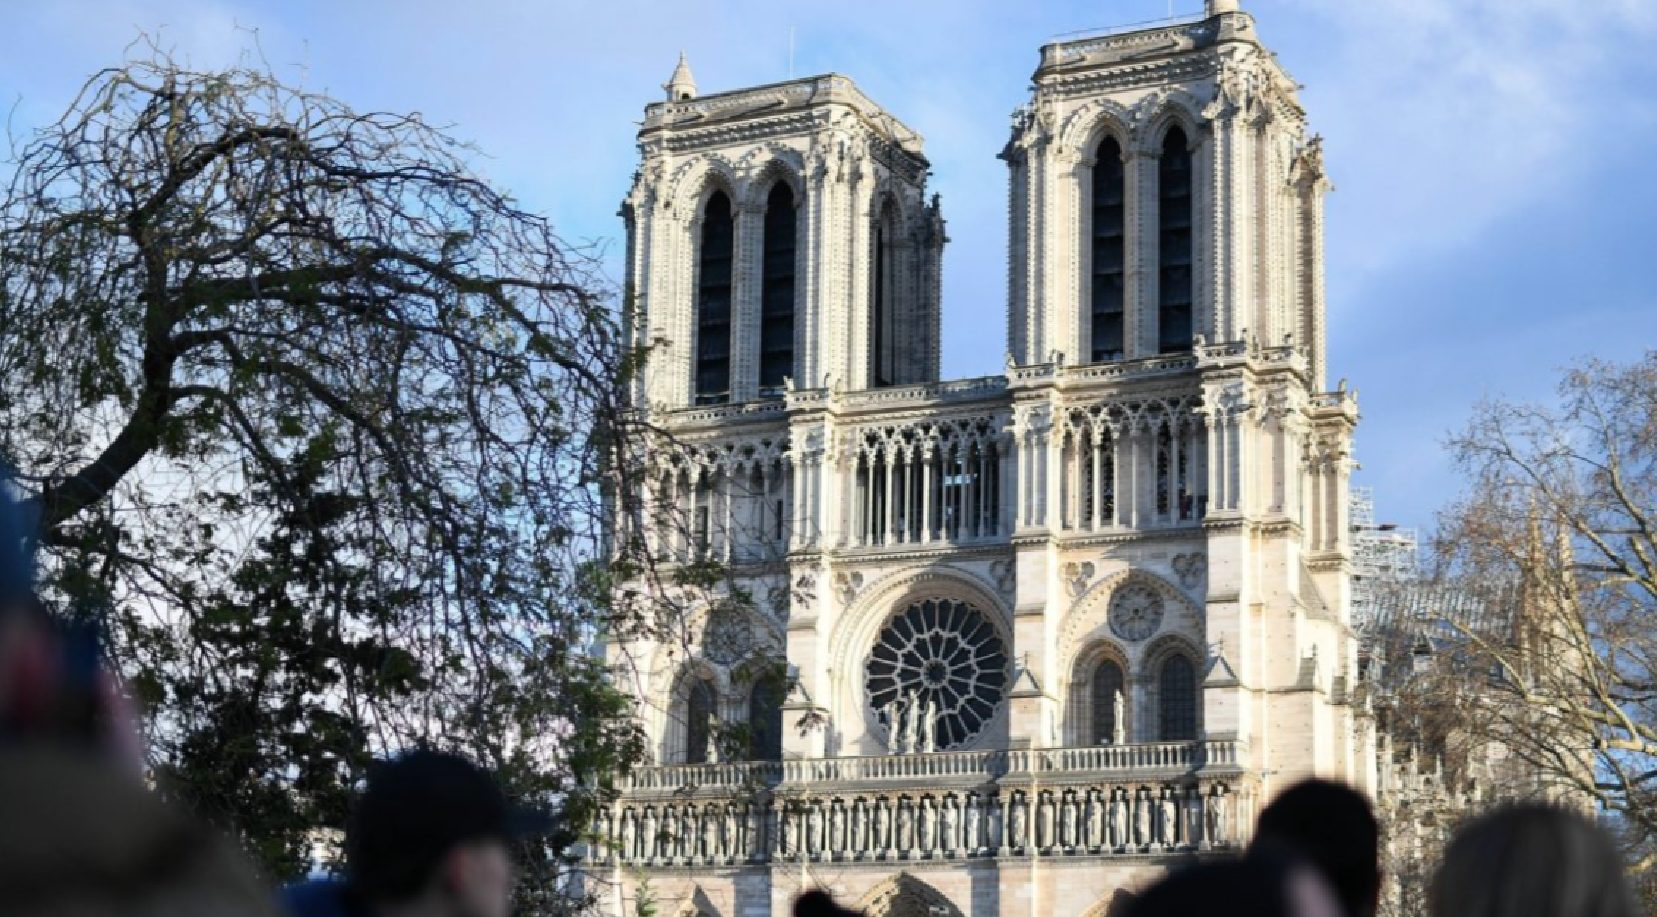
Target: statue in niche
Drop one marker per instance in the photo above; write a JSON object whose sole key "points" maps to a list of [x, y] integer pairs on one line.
{"points": [[837, 827], [1095, 820], [712, 755], [710, 833], [1119, 726], [1142, 818], [651, 836], [854, 826], [687, 832], [971, 826], [1118, 819], [1193, 817], [785, 832], [1219, 806], [925, 823], [929, 726], [949, 835], [1044, 820], [882, 825], [1015, 819], [905, 831], [813, 829], [1170, 818], [730, 839], [624, 837], [995, 833], [1067, 821]]}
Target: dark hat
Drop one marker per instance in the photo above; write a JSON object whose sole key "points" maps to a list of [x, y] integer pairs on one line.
{"points": [[416, 808]]}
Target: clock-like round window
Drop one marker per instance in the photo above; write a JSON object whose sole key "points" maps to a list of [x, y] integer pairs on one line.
{"points": [[727, 637], [946, 657], [1135, 611]]}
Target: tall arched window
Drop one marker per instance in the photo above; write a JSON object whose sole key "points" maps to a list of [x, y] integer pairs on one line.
{"points": [[776, 322], [699, 714], [713, 302], [1177, 698], [880, 303], [765, 720], [1109, 246], [1175, 279], [1107, 685]]}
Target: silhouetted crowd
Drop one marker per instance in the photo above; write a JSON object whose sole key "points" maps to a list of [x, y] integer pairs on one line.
{"points": [[430, 836]]}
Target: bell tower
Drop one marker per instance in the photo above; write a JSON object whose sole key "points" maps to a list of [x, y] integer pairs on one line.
{"points": [[1164, 189], [780, 236]]}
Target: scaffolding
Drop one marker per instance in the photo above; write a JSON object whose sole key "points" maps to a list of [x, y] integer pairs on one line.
{"points": [[1382, 554]]}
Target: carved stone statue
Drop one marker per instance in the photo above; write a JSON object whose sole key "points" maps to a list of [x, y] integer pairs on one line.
{"points": [[882, 825], [730, 845], [649, 834], [710, 833], [1119, 726], [949, 834], [904, 841], [895, 721], [837, 828], [1067, 821], [1015, 819], [1044, 820], [785, 833], [1219, 807], [712, 755], [813, 829], [971, 826], [1193, 817], [1170, 819], [929, 726], [1096, 820], [1142, 818], [911, 724], [925, 824], [855, 843], [1118, 819], [626, 836], [995, 828]]}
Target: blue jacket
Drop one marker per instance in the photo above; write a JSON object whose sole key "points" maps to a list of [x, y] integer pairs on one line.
{"points": [[322, 898]]}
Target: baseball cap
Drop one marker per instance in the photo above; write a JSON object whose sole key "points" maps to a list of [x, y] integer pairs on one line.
{"points": [[416, 808]]}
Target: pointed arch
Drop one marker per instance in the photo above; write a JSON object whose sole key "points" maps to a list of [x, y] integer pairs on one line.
{"points": [[778, 290], [1176, 220], [715, 230], [1106, 216], [694, 698], [883, 291], [1099, 671], [1173, 674], [903, 895]]}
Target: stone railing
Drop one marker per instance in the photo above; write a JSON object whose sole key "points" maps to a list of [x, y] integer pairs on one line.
{"points": [[958, 768], [1105, 816]]}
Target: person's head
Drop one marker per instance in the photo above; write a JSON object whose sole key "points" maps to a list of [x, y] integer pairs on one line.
{"points": [[434, 829], [1332, 827], [1531, 861], [1266, 886], [819, 903]]}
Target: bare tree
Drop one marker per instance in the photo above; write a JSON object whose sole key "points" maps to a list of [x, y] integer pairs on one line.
{"points": [[1541, 678], [324, 429]]}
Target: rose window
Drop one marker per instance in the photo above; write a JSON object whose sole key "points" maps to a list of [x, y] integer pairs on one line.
{"points": [[945, 657], [727, 637], [1135, 611]]}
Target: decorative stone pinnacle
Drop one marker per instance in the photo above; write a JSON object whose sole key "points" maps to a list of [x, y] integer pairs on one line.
{"points": [[681, 85], [1216, 7]]}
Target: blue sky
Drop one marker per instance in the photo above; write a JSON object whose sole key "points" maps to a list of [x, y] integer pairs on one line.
{"points": [[1495, 214]]}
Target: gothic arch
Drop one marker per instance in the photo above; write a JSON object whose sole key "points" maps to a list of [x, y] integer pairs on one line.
{"points": [[697, 904], [862, 620], [674, 736], [1165, 110], [1114, 905], [698, 180], [1086, 126], [1078, 688], [1087, 619], [1157, 654], [781, 164], [903, 895]]}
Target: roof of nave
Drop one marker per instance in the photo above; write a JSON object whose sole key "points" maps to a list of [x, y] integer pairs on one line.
{"points": [[772, 100]]}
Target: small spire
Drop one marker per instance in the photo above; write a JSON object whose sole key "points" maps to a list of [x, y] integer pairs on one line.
{"points": [[1216, 7], [681, 85]]}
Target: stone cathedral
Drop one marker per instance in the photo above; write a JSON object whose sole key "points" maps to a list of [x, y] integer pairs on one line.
{"points": [[1047, 632]]}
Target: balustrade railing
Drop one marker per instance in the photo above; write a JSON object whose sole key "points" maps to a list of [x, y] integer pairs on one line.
{"points": [[942, 767]]}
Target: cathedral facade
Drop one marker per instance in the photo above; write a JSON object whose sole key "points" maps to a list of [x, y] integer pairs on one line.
{"points": [[1042, 634]]}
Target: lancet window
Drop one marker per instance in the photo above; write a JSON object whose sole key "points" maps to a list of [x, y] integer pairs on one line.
{"points": [[765, 720], [1132, 466], [776, 332], [1109, 231], [1177, 699], [713, 301], [1175, 279], [882, 294], [700, 711], [1108, 684]]}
